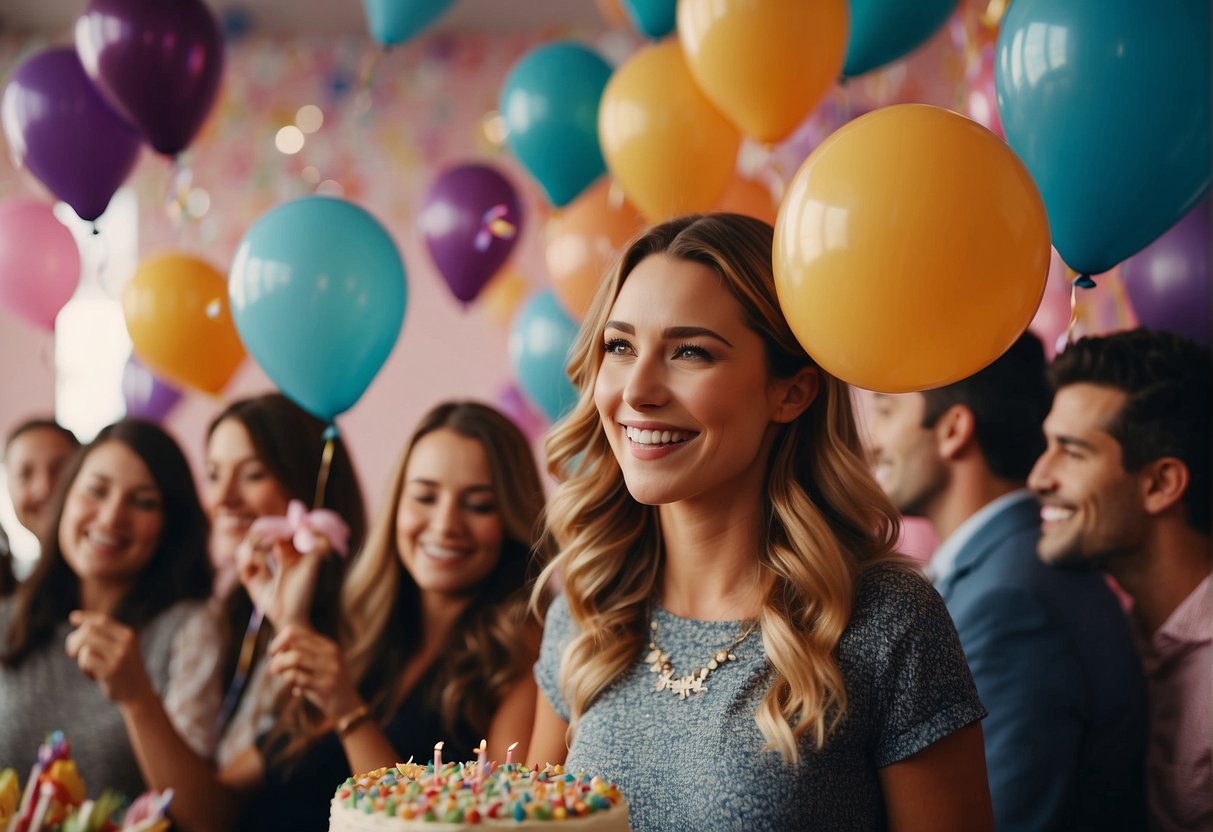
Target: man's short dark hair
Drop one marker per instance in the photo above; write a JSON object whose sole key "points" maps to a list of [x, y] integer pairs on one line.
{"points": [[1009, 400], [1168, 380]]}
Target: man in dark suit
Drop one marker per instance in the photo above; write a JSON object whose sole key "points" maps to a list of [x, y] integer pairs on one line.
{"points": [[1049, 649]]}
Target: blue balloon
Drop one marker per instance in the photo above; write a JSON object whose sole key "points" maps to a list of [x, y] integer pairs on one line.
{"points": [[318, 293], [540, 337], [884, 30], [395, 21], [1108, 105], [654, 18], [550, 102]]}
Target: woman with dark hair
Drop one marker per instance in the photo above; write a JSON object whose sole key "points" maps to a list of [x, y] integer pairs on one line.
{"points": [[109, 639], [262, 453]]}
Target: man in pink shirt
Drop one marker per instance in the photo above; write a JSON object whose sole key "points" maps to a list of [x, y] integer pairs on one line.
{"points": [[1125, 483]]}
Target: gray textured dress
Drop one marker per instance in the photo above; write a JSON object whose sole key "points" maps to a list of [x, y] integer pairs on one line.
{"points": [[699, 763], [47, 691]]}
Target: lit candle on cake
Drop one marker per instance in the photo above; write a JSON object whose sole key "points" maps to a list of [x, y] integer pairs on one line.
{"points": [[509, 754], [437, 762], [482, 760]]}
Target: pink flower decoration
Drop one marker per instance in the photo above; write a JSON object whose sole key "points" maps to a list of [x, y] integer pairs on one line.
{"points": [[301, 527]]}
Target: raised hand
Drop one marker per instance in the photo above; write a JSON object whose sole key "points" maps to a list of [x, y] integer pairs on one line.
{"points": [[312, 666], [279, 561], [108, 653]]}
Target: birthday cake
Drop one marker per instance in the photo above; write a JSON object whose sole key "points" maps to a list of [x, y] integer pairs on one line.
{"points": [[466, 795]]}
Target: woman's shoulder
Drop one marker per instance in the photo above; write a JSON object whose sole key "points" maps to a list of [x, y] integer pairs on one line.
{"points": [[893, 600]]}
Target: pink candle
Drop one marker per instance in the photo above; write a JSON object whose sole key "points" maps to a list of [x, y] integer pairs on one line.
{"points": [[481, 759], [437, 761], [509, 753]]}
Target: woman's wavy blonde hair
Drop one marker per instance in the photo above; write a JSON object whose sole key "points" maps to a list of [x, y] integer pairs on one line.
{"points": [[491, 645], [826, 517]]}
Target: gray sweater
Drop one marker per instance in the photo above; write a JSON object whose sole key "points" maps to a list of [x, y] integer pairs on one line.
{"points": [[47, 691], [700, 763]]}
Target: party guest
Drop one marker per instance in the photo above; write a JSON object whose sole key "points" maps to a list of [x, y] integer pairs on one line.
{"points": [[435, 643], [737, 645], [34, 455], [1049, 649], [110, 638], [262, 453], [1124, 485]]}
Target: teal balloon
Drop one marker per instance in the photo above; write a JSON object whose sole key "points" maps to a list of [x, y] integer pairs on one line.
{"points": [[654, 18], [318, 293], [396, 21], [884, 30], [540, 337], [1107, 103], [550, 103]]}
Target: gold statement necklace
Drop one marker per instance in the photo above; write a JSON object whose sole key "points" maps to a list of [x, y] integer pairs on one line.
{"points": [[683, 686]]}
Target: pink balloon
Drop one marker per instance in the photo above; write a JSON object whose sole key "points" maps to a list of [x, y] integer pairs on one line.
{"points": [[39, 261]]}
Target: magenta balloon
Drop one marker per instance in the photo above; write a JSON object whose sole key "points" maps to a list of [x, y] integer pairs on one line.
{"points": [[61, 130], [145, 394], [159, 62], [470, 219], [39, 261], [1168, 281]]}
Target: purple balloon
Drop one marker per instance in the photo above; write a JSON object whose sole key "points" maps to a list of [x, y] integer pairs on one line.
{"points": [[471, 219], [158, 62], [61, 130], [513, 404], [146, 396], [1168, 281]]}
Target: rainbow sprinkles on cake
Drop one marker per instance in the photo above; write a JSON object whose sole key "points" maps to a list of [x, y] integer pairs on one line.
{"points": [[477, 793]]}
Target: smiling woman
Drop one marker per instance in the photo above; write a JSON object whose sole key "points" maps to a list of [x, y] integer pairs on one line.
{"points": [[108, 639], [718, 527], [435, 644]]}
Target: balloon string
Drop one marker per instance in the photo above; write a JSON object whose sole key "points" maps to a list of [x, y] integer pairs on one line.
{"points": [[1124, 311], [326, 462], [1073, 313]]}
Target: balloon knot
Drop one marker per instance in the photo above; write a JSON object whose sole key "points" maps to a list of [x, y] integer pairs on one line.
{"points": [[330, 433], [1084, 281]]}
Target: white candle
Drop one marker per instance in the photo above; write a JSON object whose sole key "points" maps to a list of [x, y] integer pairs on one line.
{"points": [[481, 758], [437, 760]]}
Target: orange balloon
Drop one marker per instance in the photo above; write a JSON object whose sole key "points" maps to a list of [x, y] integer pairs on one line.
{"points": [[754, 199], [911, 249], [670, 150], [582, 241], [501, 297], [177, 314], [612, 12], [765, 63]]}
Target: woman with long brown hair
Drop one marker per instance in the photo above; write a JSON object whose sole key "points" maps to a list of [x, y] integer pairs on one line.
{"points": [[261, 453], [738, 646], [435, 643], [110, 639]]}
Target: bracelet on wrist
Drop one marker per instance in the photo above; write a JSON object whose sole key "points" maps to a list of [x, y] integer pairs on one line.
{"points": [[348, 722]]}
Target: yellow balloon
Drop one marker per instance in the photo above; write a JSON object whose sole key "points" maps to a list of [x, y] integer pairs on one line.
{"points": [[911, 249], [765, 63], [582, 241], [754, 199], [670, 150], [177, 314]]}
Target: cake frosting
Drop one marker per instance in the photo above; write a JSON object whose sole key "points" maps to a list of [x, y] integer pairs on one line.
{"points": [[467, 795]]}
